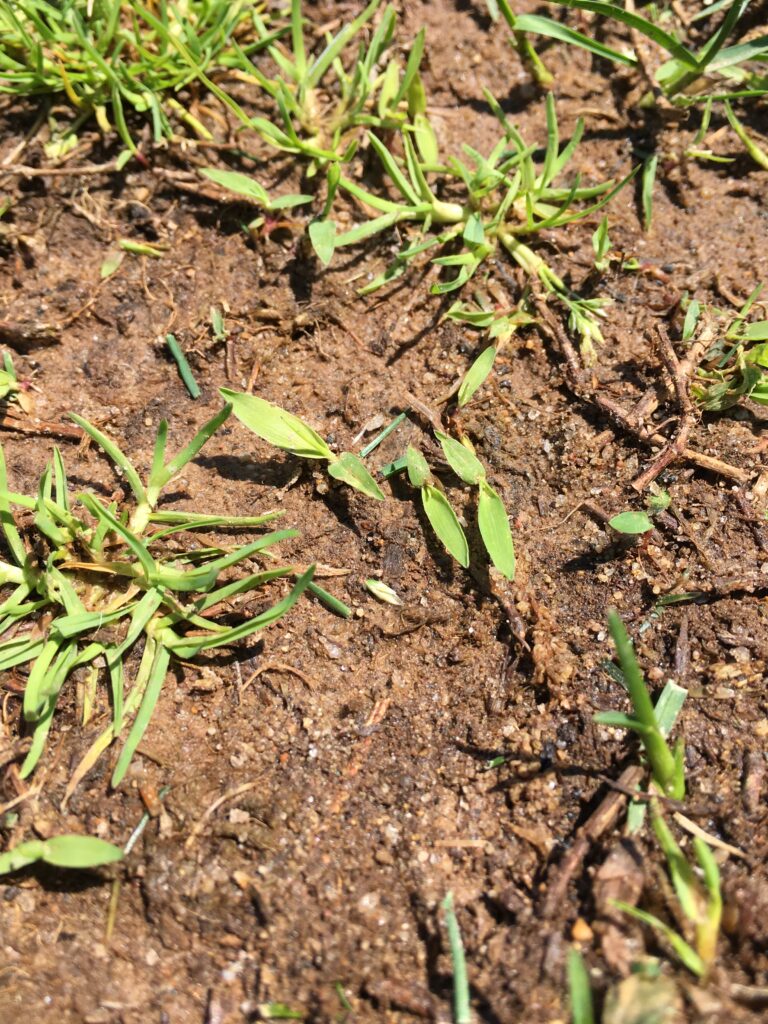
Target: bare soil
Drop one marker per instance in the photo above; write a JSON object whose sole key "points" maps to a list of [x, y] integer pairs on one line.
{"points": [[353, 767]]}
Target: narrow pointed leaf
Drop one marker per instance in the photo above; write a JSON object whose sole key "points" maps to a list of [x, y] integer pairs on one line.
{"points": [[494, 528]]}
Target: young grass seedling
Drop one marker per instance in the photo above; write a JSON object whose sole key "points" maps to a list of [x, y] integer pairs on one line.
{"points": [[492, 520], [92, 581], [667, 766], [437, 508], [503, 199], [66, 851], [462, 1012], [321, 105], [291, 434], [701, 904]]}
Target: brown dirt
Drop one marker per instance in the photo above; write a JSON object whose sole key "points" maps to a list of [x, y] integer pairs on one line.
{"points": [[365, 792]]}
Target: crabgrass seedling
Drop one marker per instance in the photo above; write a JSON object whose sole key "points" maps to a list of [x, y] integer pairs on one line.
{"points": [[92, 580], [501, 200], [667, 766], [321, 104], [291, 434], [437, 508], [492, 520], [700, 899], [462, 1012], [66, 851], [114, 55]]}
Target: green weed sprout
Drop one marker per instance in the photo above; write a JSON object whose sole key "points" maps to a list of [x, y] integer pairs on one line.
{"points": [[502, 199], [321, 120], [688, 77], [492, 518], [735, 365], [437, 508], [462, 1012], [10, 388], [521, 43], [700, 899], [499, 325], [65, 851], [667, 766], [291, 434], [92, 581], [579, 989], [116, 55]]}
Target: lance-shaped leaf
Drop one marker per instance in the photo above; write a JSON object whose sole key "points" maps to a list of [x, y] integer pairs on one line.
{"points": [[67, 851], [476, 375], [278, 427], [350, 470], [462, 461], [445, 523], [494, 529]]}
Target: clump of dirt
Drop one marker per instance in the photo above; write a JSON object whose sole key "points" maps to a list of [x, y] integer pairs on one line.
{"points": [[327, 785]]}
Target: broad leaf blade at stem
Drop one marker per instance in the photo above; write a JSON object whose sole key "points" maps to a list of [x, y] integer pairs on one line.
{"points": [[477, 374], [277, 426], [445, 523], [350, 470], [462, 461], [494, 528], [72, 851]]}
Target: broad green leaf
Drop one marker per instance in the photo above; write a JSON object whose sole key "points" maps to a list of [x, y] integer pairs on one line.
{"points": [[462, 461], [445, 523], [71, 851], [350, 470], [322, 235], [238, 183], [111, 263], [277, 426], [21, 856], [631, 522], [476, 375], [494, 528], [416, 464], [289, 201]]}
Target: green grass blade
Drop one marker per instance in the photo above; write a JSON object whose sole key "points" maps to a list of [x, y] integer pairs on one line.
{"points": [[634, 21], [464, 463], [582, 1010], [538, 25], [185, 370], [350, 470], [144, 714], [493, 524], [277, 426], [462, 1012], [116, 455], [445, 523]]}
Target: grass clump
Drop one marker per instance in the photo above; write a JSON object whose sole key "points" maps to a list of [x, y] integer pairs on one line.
{"points": [[93, 583], [667, 765], [322, 102], [108, 57], [694, 69]]}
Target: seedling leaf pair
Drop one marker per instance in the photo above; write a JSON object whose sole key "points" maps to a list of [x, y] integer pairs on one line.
{"points": [[286, 431]]}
